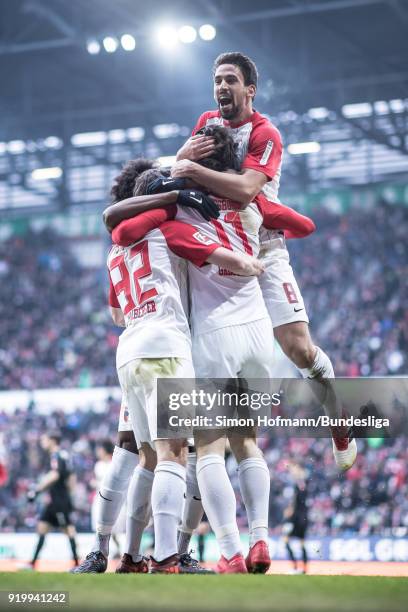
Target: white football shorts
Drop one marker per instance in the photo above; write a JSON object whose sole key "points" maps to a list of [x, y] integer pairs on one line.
{"points": [[235, 351], [138, 380], [125, 423], [280, 290]]}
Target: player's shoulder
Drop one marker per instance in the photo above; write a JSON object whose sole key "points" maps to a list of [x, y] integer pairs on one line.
{"points": [[264, 126], [211, 117]]}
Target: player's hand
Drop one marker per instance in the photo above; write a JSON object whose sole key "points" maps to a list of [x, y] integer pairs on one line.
{"points": [[31, 495], [196, 148], [183, 169], [201, 202], [249, 266], [165, 184]]}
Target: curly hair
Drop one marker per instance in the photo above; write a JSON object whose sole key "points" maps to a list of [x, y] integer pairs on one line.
{"points": [[244, 63], [125, 181], [147, 177], [224, 157]]}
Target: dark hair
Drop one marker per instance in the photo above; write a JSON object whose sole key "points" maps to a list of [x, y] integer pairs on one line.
{"points": [[107, 446], [125, 181], [54, 435], [146, 177], [244, 63], [224, 157]]}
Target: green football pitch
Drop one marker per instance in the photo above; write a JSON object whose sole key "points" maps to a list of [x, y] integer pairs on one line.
{"points": [[212, 593]]}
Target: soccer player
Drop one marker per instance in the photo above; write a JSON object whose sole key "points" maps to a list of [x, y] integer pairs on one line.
{"points": [[156, 344], [231, 306], [259, 148], [296, 515], [56, 482]]}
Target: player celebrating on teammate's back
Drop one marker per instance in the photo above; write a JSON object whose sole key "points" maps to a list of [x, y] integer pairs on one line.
{"points": [[259, 148]]}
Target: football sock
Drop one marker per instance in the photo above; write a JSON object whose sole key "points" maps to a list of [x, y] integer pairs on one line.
{"points": [[39, 546], [290, 553], [168, 490], [254, 483], [219, 503], [112, 494], [193, 507], [138, 510], [72, 543], [322, 366]]}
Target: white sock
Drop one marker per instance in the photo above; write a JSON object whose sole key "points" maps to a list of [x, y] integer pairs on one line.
{"points": [[138, 510], [193, 507], [255, 483], [168, 490], [219, 503], [322, 366], [112, 493]]}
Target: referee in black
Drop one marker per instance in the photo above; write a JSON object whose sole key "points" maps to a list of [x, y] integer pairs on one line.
{"points": [[296, 516], [56, 482]]}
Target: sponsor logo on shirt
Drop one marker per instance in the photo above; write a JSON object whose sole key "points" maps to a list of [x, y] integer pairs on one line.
{"points": [[267, 153], [203, 238]]}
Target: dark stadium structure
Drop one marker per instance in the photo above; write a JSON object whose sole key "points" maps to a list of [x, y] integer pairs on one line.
{"points": [[331, 71]]}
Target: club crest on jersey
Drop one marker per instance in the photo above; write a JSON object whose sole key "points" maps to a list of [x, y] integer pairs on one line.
{"points": [[202, 238], [267, 153]]}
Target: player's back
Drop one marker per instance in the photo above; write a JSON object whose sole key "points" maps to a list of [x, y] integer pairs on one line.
{"points": [[218, 297], [145, 279]]}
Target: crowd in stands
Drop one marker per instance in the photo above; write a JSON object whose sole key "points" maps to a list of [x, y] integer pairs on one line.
{"points": [[371, 498], [55, 329]]}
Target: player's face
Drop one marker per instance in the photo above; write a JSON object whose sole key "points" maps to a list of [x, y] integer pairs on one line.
{"points": [[45, 442], [230, 92]]}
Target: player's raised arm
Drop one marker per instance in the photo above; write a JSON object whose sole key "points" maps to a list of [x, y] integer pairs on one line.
{"points": [[126, 209], [278, 216]]}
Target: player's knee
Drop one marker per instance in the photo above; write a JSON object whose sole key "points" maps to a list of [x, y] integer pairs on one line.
{"points": [[244, 447], [172, 450], [300, 350], [126, 440]]}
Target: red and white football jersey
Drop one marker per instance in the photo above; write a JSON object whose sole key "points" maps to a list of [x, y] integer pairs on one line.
{"points": [[218, 297], [259, 147], [144, 283]]}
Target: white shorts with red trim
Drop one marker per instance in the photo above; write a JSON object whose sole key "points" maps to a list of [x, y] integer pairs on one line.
{"points": [[280, 290], [138, 380], [125, 423]]}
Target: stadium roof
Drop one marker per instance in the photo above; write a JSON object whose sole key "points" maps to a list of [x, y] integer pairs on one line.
{"points": [[310, 54]]}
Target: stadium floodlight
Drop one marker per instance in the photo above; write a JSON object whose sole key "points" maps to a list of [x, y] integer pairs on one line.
{"points": [[16, 147], [352, 111], [89, 139], [381, 107], [300, 148], [3, 148], [44, 174], [167, 160], [93, 47], [167, 37], [397, 106], [207, 32], [117, 136], [53, 142], [318, 113], [166, 130], [136, 134], [128, 42], [187, 34], [110, 44]]}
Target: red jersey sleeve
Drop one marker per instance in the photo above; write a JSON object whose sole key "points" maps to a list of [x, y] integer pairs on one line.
{"points": [[264, 150], [188, 242], [279, 216], [131, 230], [202, 121], [113, 299]]}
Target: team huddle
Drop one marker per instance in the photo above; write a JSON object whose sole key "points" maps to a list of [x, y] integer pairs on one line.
{"points": [[201, 281]]}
